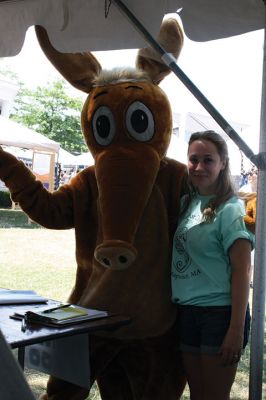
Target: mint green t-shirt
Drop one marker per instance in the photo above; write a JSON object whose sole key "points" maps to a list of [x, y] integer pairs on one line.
{"points": [[201, 271]]}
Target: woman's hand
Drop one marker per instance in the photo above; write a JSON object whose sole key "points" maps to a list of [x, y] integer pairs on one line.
{"points": [[232, 346]]}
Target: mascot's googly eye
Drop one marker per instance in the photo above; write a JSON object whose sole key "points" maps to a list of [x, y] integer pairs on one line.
{"points": [[140, 122], [103, 125]]}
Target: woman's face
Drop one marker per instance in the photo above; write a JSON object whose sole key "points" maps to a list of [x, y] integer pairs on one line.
{"points": [[204, 166]]}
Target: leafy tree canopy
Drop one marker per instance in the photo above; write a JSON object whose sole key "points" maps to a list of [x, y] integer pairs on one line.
{"points": [[52, 112]]}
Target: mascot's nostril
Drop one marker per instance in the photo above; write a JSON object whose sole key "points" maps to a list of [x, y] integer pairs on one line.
{"points": [[115, 254], [123, 259]]}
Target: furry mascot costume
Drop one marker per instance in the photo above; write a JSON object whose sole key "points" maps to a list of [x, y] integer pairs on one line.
{"points": [[124, 211], [251, 210]]}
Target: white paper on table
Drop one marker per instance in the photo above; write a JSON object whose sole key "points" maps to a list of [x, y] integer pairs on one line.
{"points": [[9, 296], [66, 358]]}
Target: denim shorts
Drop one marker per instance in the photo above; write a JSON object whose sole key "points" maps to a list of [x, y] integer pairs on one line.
{"points": [[202, 329]]}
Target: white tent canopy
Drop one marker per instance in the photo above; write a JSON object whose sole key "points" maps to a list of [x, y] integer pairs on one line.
{"points": [[79, 25], [210, 20], [14, 134], [66, 158], [84, 159]]}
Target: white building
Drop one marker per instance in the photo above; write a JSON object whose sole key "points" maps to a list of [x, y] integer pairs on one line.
{"points": [[184, 124]]}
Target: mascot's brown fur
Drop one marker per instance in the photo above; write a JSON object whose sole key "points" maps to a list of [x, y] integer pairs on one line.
{"points": [[124, 211], [251, 209]]}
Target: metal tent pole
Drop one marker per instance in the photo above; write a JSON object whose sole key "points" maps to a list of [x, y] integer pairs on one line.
{"points": [[258, 301]]}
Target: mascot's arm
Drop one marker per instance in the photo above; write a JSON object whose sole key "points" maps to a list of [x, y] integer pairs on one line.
{"points": [[51, 210], [173, 183], [250, 217]]}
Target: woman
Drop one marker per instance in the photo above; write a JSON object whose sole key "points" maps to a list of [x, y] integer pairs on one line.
{"points": [[211, 271]]}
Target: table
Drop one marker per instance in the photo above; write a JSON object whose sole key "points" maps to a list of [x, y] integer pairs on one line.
{"points": [[34, 333]]}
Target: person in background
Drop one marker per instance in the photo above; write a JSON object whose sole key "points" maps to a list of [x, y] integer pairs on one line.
{"points": [[57, 174], [211, 271], [251, 185], [248, 193], [62, 177]]}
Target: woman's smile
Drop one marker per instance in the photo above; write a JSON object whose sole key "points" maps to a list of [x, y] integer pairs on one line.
{"points": [[204, 166]]}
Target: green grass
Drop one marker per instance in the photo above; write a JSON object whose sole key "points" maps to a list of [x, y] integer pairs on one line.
{"points": [[44, 260]]}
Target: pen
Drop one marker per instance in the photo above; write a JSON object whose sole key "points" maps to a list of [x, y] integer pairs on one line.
{"points": [[24, 324], [56, 308]]}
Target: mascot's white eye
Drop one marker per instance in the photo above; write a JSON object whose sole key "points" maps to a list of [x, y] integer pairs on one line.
{"points": [[140, 122], [103, 125]]}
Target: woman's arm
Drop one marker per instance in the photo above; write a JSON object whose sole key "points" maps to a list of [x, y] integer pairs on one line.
{"points": [[240, 260]]}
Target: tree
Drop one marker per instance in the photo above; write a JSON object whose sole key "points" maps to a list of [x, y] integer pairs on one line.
{"points": [[51, 112]]}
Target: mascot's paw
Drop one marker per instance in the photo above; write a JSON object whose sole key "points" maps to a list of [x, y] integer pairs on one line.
{"points": [[250, 224], [251, 208]]}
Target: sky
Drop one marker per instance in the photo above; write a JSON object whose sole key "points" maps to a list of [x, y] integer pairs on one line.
{"points": [[227, 71]]}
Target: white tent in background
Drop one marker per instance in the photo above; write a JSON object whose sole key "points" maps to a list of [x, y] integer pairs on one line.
{"points": [[85, 159], [66, 158], [44, 150], [177, 149], [14, 134], [24, 154], [188, 122]]}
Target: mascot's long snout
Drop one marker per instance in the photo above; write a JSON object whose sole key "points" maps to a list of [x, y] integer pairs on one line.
{"points": [[125, 177]]}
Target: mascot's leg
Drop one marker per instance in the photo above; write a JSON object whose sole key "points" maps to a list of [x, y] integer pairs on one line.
{"points": [[58, 389], [114, 383], [148, 369]]}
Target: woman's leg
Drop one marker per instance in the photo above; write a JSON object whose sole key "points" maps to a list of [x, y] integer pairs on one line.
{"points": [[217, 378], [193, 372], [208, 378]]}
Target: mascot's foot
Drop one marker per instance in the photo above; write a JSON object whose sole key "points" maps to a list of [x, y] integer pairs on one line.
{"points": [[58, 389]]}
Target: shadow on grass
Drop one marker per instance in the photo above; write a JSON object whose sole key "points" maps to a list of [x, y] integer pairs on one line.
{"points": [[16, 219]]}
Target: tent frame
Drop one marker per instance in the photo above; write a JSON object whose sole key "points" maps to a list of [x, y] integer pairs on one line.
{"points": [[258, 301]]}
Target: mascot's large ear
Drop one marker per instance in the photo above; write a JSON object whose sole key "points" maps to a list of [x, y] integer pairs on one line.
{"points": [[171, 38], [79, 69]]}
